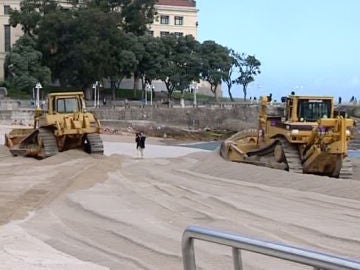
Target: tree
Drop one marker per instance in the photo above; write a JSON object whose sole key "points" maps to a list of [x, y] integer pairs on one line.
{"points": [[249, 67], [79, 45], [137, 15], [86, 43], [181, 64], [150, 56], [228, 76], [24, 65], [123, 63], [215, 64], [30, 14]]}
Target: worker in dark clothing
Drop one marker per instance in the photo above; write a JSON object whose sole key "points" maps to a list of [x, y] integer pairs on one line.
{"points": [[140, 143]]}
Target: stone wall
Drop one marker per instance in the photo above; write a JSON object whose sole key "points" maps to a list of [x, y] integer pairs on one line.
{"points": [[223, 116], [232, 117], [216, 117], [25, 117]]}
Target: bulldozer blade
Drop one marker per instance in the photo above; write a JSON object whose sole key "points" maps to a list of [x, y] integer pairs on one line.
{"points": [[22, 142]]}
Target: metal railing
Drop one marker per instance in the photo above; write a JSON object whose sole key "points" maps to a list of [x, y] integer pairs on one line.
{"points": [[320, 261]]}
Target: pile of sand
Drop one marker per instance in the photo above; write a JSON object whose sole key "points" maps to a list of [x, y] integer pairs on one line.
{"points": [[75, 211]]}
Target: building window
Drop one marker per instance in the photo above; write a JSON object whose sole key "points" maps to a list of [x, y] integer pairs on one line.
{"points": [[7, 35], [150, 33], [164, 19], [179, 34], [179, 20], [164, 34], [6, 9]]}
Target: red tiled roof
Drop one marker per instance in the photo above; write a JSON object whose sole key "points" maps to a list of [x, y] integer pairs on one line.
{"points": [[177, 3]]}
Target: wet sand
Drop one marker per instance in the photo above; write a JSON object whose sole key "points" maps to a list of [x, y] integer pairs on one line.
{"points": [[76, 211]]}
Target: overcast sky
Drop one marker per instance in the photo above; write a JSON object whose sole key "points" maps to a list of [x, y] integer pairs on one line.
{"points": [[310, 46]]}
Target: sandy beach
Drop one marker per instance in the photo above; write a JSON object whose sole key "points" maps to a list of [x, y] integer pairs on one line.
{"points": [[117, 211]]}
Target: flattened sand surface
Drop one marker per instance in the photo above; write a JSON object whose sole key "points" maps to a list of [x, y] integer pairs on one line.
{"points": [[75, 211]]}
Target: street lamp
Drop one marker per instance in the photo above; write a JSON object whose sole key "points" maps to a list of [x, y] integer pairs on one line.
{"points": [[146, 89], [151, 94], [98, 97], [96, 86], [195, 88], [38, 86]]}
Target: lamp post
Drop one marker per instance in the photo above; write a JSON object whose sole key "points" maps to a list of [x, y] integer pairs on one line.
{"points": [[146, 88], [195, 88], [38, 86], [96, 86], [151, 94], [99, 85]]}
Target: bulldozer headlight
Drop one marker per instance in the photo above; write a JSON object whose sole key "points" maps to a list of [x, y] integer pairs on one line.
{"points": [[348, 132], [294, 132]]}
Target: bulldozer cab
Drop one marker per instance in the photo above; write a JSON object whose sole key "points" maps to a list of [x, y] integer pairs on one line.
{"points": [[66, 103], [308, 109]]}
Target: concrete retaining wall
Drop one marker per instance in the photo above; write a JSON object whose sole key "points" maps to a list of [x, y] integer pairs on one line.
{"points": [[223, 116], [232, 118], [25, 117]]}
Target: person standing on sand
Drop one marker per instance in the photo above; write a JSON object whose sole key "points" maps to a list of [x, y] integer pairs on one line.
{"points": [[140, 143]]}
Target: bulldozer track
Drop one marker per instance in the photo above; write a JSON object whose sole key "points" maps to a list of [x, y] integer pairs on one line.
{"points": [[96, 144], [292, 156], [346, 171], [49, 144]]}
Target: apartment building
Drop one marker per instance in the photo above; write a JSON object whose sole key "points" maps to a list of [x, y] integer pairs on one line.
{"points": [[175, 16]]}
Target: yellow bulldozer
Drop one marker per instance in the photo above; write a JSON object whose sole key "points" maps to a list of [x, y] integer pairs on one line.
{"points": [[64, 125], [308, 136]]}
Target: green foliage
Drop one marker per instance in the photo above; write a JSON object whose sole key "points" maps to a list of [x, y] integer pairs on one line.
{"points": [[137, 15], [123, 62], [248, 67], [71, 44], [82, 45], [24, 65], [133, 16], [228, 74], [106, 40], [182, 63], [30, 14], [150, 55], [215, 64]]}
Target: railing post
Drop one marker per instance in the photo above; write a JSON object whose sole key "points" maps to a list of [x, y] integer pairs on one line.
{"points": [[188, 252], [237, 259]]}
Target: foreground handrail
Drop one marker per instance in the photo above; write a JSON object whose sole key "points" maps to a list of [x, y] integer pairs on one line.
{"points": [[238, 242]]}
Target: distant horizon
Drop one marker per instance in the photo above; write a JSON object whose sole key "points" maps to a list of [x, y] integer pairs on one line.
{"points": [[311, 47]]}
